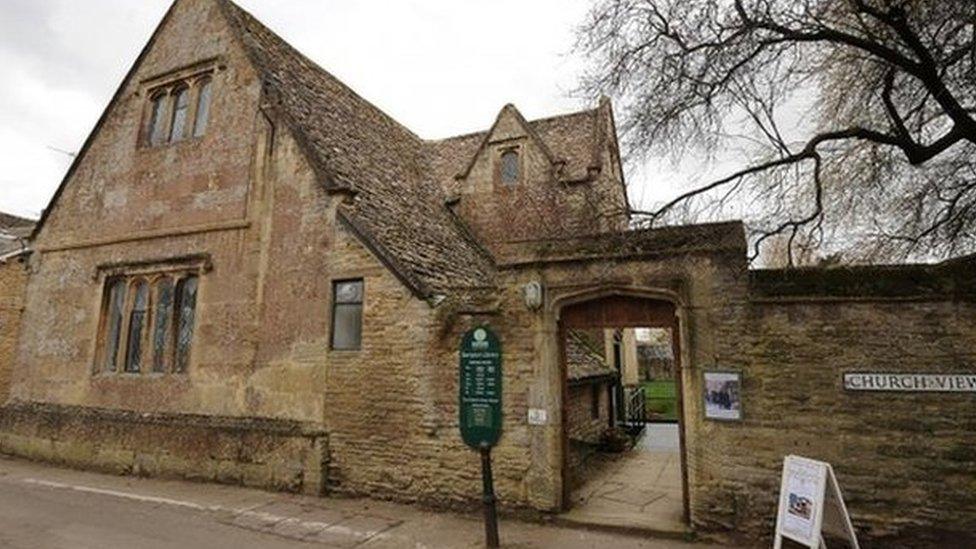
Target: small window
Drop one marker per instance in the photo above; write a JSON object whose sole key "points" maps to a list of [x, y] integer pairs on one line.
{"points": [[114, 307], [162, 319], [509, 168], [186, 303], [181, 104], [203, 108], [137, 324], [157, 120], [595, 401], [347, 314]]}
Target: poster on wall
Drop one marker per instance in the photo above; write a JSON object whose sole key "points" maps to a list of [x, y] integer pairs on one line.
{"points": [[723, 395], [810, 504]]}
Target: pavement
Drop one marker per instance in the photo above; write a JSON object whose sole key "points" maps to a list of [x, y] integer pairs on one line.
{"points": [[638, 489], [44, 507]]}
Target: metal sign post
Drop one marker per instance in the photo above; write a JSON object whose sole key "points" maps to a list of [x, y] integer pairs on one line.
{"points": [[488, 498], [480, 410]]}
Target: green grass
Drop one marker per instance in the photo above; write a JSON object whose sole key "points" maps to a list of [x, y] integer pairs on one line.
{"points": [[661, 400]]}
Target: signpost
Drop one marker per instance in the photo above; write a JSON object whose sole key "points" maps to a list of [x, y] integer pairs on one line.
{"points": [[810, 504], [480, 410]]}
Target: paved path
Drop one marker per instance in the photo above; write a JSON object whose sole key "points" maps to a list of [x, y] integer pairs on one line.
{"points": [[43, 507], [640, 488]]}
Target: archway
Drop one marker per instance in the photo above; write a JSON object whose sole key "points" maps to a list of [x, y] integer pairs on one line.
{"points": [[585, 317]]}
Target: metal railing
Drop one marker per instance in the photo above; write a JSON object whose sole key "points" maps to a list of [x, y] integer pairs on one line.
{"points": [[635, 420]]}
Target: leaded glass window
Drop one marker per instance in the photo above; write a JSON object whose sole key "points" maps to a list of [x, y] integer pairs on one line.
{"points": [[113, 324], [181, 104], [347, 314], [157, 120], [137, 325], [148, 322], [203, 108], [162, 320], [510, 167], [186, 296]]}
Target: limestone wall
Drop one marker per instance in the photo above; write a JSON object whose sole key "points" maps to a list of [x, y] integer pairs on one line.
{"points": [[582, 425], [13, 279], [906, 461], [272, 454], [125, 204]]}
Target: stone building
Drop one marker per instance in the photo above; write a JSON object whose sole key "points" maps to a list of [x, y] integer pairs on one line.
{"points": [[589, 412], [252, 275], [14, 249]]}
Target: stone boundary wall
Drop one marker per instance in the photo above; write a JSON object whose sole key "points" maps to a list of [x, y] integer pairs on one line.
{"points": [[906, 461], [258, 452], [951, 280], [13, 280]]}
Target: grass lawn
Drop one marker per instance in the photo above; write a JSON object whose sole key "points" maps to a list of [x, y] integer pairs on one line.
{"points": [[661, 400]]}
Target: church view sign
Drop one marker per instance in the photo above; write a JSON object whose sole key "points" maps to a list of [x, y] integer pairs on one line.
{"points": [[930, 383]]}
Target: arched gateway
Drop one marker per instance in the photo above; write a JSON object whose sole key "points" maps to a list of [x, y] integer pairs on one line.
{"points": [[621, 310]]}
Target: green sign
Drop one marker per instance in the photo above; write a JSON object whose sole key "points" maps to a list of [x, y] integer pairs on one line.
{"points": [[481, 388]]}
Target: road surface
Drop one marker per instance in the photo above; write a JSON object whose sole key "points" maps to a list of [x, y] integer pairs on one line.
{"points": [[43, 507]]}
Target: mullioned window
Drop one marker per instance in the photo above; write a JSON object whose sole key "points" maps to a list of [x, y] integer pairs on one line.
{"points": [[147, 323], [178, 110]]}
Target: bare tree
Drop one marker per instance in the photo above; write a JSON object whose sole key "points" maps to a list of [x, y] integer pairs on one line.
{"points": [[884, 154]]}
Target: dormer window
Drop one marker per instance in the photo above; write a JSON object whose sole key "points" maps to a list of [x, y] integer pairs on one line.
{"points": [[179, 110], [509, 168]]}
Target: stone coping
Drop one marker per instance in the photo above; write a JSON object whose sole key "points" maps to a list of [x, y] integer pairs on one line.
{"points": [[952, 279], [707, 238]]}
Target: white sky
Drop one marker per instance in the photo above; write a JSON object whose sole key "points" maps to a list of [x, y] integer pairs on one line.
{"points": [[441, 67]]}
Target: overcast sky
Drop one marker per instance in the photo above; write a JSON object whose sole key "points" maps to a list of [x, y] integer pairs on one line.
{"points": [[441, 67]]}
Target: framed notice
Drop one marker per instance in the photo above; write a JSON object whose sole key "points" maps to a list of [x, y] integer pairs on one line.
{"points": [[722, 395]]}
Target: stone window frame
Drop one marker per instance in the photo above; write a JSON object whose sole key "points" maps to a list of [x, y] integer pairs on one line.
{"points": [[499, 166], [151, 273], [193, 79], [334, 305]]}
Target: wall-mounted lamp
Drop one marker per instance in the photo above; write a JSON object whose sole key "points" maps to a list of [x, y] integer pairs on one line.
{"points": [[532, 292]]}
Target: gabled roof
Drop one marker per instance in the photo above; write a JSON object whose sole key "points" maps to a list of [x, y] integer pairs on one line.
{"points": [[511, 110], [353, 145], [571, 140], [397, 180]]}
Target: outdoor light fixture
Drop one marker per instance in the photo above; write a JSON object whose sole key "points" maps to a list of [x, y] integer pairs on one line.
{"points": [[533, 295]]}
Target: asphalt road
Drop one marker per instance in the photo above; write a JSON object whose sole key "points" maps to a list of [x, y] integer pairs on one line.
{"points": [[45, 507]]}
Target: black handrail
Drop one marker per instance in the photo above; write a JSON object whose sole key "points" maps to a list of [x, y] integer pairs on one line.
{"points": [[636, 418]]}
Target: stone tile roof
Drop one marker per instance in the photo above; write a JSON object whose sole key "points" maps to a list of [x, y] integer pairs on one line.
{"points": [[14, 234], [354, 146], [573, 140], [400, 181], [582, 361]]}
